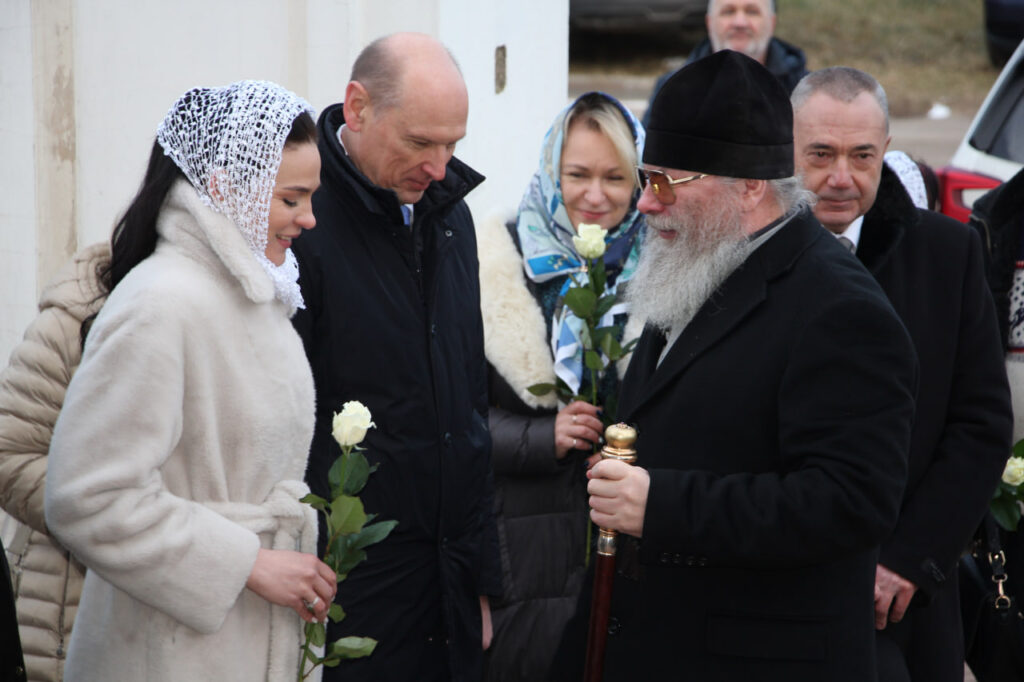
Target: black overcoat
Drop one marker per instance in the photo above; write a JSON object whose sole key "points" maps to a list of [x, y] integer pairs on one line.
{"points": [[392, 319], [775, 432], [931, 268]]}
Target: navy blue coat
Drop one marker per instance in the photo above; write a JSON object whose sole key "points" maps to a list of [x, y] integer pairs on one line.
{"points": [[392, 319]]}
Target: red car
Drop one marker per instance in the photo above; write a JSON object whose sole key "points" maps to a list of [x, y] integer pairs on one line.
{"points": [[992, 150]]}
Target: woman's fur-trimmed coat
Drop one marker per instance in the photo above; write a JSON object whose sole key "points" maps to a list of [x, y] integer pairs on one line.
{"points": [[540, 502], [47, 579], [179, 453]]}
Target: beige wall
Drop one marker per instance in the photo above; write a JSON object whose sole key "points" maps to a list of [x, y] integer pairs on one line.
{"points": [[83, 84]]}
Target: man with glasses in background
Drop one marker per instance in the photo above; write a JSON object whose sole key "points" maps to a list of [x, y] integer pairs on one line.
{"points": [[772, 390]]}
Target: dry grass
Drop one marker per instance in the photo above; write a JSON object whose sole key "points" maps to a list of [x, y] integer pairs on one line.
{"points": [[922, 51]]}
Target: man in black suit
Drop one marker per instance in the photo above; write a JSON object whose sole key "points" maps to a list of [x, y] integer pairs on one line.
{"points": [[931, 268], [773, 392]]}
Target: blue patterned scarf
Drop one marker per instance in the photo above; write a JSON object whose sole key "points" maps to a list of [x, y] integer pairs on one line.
{"points": [[545, 237]]}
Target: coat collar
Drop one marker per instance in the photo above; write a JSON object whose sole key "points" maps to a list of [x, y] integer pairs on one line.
{"points": [[741, 293], [886, 222], [338, 168], [211, 238]]}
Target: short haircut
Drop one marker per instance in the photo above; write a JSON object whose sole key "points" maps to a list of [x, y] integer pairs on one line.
{"points": [[599, 113], [842, 83], [771, 6], [379, 70]]}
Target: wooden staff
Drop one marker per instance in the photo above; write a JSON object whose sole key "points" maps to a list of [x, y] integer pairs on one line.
{"points": [[619, 440]]}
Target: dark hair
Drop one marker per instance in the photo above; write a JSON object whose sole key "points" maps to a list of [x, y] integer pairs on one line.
{"points": [[135, 236], [303, 130]]}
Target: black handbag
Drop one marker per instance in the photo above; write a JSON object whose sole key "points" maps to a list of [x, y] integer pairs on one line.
{"points": [[992, 617]]}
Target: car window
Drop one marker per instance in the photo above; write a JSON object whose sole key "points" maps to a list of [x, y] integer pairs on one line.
{"points": [[1001, 131]]}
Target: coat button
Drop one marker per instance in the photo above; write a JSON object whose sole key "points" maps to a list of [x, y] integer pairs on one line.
{"points": [[664, 558], [702, 561], [447, 438], [677, 559], [614, 626], [433, 330], [447, 233], [691, 561]]}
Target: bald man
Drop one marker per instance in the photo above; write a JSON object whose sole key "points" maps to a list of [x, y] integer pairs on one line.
{"points": [[393, 320]]}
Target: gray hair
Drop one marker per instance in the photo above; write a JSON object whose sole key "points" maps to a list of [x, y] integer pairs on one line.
{"points": [[791, 195], [788, 192], [771, 6], [842, 83]]}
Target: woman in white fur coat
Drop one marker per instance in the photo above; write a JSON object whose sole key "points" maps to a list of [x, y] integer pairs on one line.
{"points": [[176, 463], [586, 175]]}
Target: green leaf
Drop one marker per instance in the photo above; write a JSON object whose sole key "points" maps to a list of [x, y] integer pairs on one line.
{"points": [[610, 347], [337, 475], [1005, 511], [352, 647], [347, 515], [314, 501], [1018, 448], [374, 533], [585, 338], [581, 302], [358, 472], [332, 661], [541, 389], [592, 360], [350, 561], [604, 304], [317, 635], [628, 348], [336, 613]]}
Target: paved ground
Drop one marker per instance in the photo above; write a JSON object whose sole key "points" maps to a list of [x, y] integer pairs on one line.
{"points": [[931, 141]]}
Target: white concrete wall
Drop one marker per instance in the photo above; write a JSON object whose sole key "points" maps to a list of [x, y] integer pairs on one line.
{"points": [[17, 183], [83, 84]]}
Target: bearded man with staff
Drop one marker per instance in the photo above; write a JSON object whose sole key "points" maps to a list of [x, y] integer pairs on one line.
{"points": [[772, 391]]}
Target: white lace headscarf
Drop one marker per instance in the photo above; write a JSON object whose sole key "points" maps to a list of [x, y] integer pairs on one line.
{"points": [[236, 134]]}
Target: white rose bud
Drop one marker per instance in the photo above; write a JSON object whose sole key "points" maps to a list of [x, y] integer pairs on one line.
{"points": [[351, 424], [589, 240], [1014, 471]]}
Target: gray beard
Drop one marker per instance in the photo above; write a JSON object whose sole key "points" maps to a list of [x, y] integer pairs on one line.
{"points": [[674, 278]]}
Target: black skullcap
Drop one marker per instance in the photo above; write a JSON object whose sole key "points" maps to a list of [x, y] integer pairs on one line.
{"points": [[723, 115]]}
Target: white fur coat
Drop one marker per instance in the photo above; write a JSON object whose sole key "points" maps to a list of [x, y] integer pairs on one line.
{"points": [[179, 452]]}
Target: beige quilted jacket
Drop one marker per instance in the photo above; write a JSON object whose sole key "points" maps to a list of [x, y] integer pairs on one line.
{"points": [[47, 581]]}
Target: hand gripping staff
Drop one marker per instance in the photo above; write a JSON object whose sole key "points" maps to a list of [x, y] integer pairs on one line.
{"points": [[619, 441]]}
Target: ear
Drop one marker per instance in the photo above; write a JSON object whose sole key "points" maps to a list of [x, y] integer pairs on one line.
{"points": [[357, 106], [753, 193]]}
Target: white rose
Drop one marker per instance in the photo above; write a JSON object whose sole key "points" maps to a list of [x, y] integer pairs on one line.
{"points": [[350, 425], [589, 240], [1014, 471]]}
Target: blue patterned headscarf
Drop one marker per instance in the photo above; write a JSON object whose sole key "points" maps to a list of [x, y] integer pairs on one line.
{"points": [[545, 237]]}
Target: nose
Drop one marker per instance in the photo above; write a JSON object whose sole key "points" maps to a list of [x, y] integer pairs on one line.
{"points": [[306, 220], [594, 192], [839, 176], [648, 203], [437, 163]]}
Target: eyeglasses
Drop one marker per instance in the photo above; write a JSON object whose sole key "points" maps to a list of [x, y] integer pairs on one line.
{"points": [[661, 183]]}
